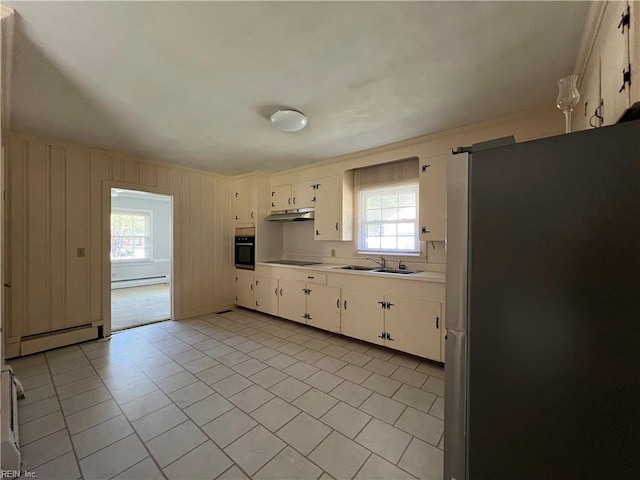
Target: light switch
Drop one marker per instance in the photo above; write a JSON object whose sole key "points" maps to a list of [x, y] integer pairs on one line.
{"points": [[80, 251]]}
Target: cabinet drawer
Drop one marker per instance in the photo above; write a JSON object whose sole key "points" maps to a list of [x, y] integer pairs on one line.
{"points": [[312, 277]]}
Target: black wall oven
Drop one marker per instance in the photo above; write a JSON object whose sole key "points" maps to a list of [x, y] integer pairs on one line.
{"points": [[245, 248]]}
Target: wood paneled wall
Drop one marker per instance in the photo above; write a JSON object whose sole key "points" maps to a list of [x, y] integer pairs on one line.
{"points": [[60, 202]]}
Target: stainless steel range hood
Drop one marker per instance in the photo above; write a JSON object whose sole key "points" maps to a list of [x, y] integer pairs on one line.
{"points": [[297, 216]]}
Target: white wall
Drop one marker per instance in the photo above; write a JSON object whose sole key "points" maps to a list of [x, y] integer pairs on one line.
{"points": [[160, 263]]}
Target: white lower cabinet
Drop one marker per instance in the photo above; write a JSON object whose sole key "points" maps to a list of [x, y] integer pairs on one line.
{"points": [[406, 324], [293, 300], [244, 288], [266, 295], [362, 317], [323, 307], [413, 326], [392, 313], [311, 303]]}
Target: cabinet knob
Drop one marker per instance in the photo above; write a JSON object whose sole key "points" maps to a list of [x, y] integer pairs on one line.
{"points": [[337, 226]]}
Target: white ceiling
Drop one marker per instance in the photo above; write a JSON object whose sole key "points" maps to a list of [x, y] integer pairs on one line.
{"points": [[194, 83]]}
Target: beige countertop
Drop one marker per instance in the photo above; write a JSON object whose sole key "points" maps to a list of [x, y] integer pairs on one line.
{"points": [[424, 276]]}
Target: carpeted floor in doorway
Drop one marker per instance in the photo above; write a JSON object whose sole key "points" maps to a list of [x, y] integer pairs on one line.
{"points": [[139, 305]]}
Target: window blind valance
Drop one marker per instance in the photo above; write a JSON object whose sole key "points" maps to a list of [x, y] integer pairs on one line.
{"points": [[386, 173]]}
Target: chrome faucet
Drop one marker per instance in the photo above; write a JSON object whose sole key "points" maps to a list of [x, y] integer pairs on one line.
{"points": [[382, 262]]}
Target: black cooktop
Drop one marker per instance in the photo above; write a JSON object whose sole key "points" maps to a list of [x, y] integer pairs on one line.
{"points": [[299, 263]]}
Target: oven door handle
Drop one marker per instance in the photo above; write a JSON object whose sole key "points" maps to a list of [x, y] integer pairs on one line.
{"points": [[245, 244]]}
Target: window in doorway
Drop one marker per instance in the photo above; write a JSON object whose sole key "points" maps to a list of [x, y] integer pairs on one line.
{"points": [[130, 235]]}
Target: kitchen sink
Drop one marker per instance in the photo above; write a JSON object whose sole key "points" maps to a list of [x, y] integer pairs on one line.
{"points": [[355, 267], [395, 270]]}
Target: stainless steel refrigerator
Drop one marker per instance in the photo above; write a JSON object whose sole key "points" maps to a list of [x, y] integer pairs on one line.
{"points": [[542, 356]]}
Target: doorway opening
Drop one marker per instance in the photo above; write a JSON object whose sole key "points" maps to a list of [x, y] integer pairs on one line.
{"points": [[141, 235]]}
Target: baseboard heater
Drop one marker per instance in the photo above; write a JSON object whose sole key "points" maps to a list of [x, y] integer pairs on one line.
{"points": [[139, 282], [58, 338]]}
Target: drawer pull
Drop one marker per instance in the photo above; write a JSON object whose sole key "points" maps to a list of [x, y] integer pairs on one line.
{"points": [[311, 278]]}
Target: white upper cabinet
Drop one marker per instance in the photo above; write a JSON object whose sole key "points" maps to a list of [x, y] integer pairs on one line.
{"points": [[614, 58], [303, 194], [280, 198], [433, 199], [244, 201], [607, 84], [334, 208]]}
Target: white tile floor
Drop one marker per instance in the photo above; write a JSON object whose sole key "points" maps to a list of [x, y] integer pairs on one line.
{"points": [[231, 396]]}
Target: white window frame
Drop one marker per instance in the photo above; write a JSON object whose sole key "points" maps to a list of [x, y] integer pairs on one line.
{"points": [[362, 224], [148, 233]]}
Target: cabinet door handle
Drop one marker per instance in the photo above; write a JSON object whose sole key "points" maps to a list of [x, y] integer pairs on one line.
{"points": [[273, 204], [389, 337], [383, 335], [289, 200], [337, 227], [384, 304], [294, 200], [252, 287], [236, 217], [251, 214], [257, 282], [276, 291], [425, 230], [317, 233], [313, 199], [345, 304], [311, 278], [236, 298], [273, 194], [389, 305], [424, 168], [257, 304], [437, 322], [338, 304], [280, 292]]}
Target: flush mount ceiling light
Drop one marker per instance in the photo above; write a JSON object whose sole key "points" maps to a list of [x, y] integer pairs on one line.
{"points": [[288, 120]]}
